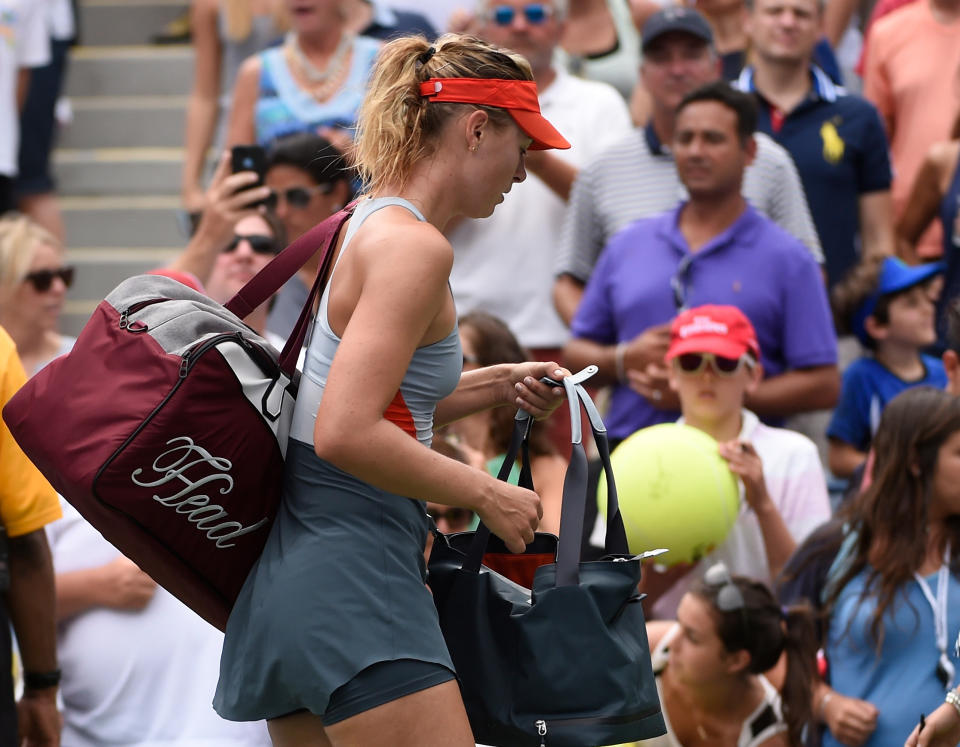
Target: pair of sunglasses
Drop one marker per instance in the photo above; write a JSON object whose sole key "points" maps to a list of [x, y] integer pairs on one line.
{"points": [[296, 197], [729, 596], [694, 363], [42, 280], [535, 13], [455, 516], [258, 242]]}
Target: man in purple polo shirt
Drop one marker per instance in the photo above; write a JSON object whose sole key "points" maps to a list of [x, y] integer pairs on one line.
{"points": [[713, 249]]}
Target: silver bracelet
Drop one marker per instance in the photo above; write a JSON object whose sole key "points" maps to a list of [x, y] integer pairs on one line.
{"points": [[618, 355], [953, 699]]}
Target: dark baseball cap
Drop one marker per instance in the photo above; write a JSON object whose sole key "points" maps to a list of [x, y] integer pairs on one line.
{"points": [[675, 18]]}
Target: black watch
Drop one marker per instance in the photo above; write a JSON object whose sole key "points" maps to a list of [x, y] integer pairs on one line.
{"points": [[41, 680]]}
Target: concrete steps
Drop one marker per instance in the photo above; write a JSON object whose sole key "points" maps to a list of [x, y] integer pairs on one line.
{"points": [[117, 22], [118, 162]]}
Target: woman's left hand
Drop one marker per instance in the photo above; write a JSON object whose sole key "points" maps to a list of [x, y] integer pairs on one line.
{"points": [[531, 394]]}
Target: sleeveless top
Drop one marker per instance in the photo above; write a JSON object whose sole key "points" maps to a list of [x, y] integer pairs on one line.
{"points": [[618, 66], [765, 721], [433, 373], [283, 108], [949, 209]]}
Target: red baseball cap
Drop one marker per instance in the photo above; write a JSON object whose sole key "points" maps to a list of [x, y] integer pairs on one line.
{"points": [[721, 330], [518, 97]]}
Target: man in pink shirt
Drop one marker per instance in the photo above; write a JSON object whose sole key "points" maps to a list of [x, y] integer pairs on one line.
{"points": [[908, 75]]}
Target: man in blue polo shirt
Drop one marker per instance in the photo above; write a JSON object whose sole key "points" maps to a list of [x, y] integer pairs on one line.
{"points": [[713, 249], [836, 139]]}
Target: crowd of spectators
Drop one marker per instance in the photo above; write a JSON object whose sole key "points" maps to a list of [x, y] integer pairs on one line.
{"points": [[726, 174]]}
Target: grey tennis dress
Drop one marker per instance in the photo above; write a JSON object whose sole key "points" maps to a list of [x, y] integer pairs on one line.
{"points": [[340, 585]]}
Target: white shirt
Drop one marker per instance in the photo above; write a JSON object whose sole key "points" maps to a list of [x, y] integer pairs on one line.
{"points": [[24, 42], [137, 679], [504, 264], [60, 20], [796, 485]]}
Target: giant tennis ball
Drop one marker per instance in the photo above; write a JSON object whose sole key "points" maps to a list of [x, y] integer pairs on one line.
{"points": [[675, 491]]}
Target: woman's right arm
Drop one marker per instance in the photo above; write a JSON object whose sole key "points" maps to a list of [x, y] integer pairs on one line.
{"points": [[401, 279], [203, 107], [241, 129], [851, 721], [924, 201]]}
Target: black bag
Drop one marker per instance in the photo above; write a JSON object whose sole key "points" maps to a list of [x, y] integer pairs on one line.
{"points": [[568, 663]]}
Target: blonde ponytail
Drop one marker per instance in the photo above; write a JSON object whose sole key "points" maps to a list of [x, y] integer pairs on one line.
{"points": [[396, 126]]}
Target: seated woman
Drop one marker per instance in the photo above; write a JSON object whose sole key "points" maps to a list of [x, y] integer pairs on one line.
{"points": [[486, 341], [709, 666]]}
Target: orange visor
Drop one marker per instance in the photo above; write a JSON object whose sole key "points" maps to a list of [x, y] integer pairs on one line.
{"points": [[519, 97]]}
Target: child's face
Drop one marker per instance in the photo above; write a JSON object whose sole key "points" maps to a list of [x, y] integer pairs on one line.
{"points": [[911, 318], [708, 395]]}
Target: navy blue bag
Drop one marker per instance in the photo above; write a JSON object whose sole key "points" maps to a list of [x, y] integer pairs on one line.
{"points": [[565, 663]]}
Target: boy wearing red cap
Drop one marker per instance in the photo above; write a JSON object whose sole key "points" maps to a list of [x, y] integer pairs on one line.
{"points": [[714, 363]]}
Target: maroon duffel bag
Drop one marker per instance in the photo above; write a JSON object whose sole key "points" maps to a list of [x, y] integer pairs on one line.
{"points": [[167, 424]]}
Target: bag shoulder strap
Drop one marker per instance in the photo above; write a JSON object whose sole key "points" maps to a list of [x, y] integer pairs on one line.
{"points": [[322, 237]]}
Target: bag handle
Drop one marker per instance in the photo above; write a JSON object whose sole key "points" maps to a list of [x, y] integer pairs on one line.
{"points": [[322, 237], [574, 485]]}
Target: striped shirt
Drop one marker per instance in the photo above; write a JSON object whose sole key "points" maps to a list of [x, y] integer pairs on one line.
{"points": [[636, 178]]}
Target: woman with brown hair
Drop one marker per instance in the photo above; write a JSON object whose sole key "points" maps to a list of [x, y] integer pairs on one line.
{"points": [[892, 593], [334, 636], [487, 341], [710, 666]]}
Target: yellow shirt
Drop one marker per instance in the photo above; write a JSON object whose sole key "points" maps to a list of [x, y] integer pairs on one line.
{"points": [[27, 502]]}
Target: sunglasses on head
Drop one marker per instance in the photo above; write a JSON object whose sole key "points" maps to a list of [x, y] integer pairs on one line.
{"points": [[535, 13], [694, 363], [43, 279], [296, 197], [729, 596], [258, 242], [454, 516]]}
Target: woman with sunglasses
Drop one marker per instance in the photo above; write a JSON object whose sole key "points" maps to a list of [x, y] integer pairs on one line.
{"points": [[892, 592], [710, 666], [334, 636], [256, 240], [713, 360], [33, 288]]}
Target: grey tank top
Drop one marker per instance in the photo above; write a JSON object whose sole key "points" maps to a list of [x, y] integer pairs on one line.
{"points": [[433, 373]]}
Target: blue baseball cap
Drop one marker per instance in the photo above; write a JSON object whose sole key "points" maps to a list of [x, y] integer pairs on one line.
{"points": [[675, 18], [895, 276]]}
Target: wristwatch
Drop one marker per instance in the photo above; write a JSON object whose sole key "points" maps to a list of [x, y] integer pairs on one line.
{"points": [[41, 680]]}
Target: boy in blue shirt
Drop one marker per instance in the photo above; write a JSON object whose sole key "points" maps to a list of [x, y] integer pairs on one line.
{"points": [[889, 306]]}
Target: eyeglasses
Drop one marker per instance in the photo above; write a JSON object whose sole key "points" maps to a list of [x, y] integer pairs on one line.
{"points": [[41, 280], [535, 13], [729, 596], [258, 242], [694, 363], [297, 197], [455, 517]]}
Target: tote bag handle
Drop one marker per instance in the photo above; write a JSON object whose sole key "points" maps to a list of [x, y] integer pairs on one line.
{"points": [[574, 485]]}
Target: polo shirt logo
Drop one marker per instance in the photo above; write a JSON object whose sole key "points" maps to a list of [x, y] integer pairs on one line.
{"points": [[833, 145]]}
